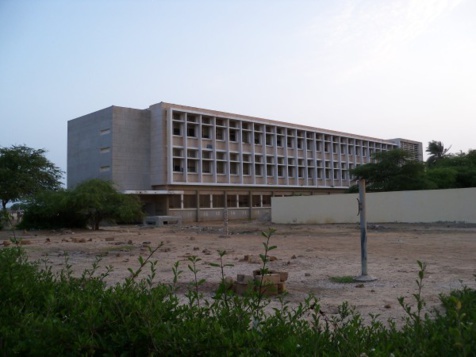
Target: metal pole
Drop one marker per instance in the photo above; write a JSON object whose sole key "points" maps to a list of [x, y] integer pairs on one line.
{"points": [[363, 233], [363, 227]]}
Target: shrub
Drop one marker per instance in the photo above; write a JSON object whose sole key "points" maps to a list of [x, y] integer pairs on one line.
{"points": [[42, 313]]}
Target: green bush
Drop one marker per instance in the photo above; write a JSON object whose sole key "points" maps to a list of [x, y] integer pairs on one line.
{"points": [[45, 313]]}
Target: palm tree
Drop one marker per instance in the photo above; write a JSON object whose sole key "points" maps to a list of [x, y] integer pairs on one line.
{"points": [[437, 151]]}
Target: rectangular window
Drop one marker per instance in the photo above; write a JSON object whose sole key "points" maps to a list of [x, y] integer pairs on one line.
{"points": [[177, 129], [269, 140], [218, 201], [219, 134], [232, 201], [175, 201], [191, 131], [178, 165], [243, 201], [189, 201], [204, 201], [256, 200], [191, 166], [206, 167], [220, 167], [105, 150], [266, 200], [233, 168], [205, 132], [105, 168], [105, 131], [233, 135]]}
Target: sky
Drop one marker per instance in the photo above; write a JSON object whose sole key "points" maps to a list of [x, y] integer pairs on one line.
{"points": [[380, 68]]}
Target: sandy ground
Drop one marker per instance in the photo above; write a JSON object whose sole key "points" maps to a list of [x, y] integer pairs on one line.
{"points": [[311, 254]]}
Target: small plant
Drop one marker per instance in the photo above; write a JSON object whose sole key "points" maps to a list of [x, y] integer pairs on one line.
{"points": [[345, 279], [415, 315]]}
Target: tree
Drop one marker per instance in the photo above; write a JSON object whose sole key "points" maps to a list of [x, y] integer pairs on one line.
{"points": [[24, 172], [98, 200], [393, 170], [437, 151], [463, 166], [51, 210]]}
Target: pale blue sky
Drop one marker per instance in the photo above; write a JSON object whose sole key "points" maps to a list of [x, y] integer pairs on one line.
{"points": [[384, 68]]}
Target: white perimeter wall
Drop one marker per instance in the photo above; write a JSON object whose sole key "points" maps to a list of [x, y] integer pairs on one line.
{"points": [[403, 206]]}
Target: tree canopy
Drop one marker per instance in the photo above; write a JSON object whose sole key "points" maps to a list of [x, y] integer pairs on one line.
{"points": [[437, 151], [92, 202], [396, 170], [25, 172], [393, 170], [98, 200]]}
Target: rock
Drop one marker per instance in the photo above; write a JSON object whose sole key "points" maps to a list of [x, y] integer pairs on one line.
{"points": [[129, 241], [78, 240], [6, 243], [109, 239], [307, 274], [25, 242]]}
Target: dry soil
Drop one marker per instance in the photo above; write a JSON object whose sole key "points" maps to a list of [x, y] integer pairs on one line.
{"points": [[311, 254]]}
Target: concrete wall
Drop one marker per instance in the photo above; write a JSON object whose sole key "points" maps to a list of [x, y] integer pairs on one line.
{"points": [[158, 145], [131, 148], [383, 207], [111, 144], [89, 137]]}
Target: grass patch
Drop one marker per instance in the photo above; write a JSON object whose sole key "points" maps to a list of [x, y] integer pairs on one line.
{"points": [[345, 279]]}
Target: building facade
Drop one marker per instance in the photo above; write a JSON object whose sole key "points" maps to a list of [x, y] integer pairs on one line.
{"points": [[202, 164]]}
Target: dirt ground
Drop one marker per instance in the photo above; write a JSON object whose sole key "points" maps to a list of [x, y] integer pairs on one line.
{"points": [[311, 254]]}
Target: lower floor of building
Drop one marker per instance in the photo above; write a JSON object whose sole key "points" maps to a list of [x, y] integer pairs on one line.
{"points": [[201, 204]]}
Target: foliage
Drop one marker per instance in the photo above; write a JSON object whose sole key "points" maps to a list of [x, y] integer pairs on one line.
{"points": [[91, 202], [393, 170], [52, 210], [454, 171], [24, 172], [346, 279], [437, 151], [98, 200], [46, 313]]}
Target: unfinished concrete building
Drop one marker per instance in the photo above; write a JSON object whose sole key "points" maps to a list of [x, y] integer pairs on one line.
{"points": [[198, 164]]}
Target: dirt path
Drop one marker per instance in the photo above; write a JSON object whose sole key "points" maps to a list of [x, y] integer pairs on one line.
{"points": [[311, 254]]}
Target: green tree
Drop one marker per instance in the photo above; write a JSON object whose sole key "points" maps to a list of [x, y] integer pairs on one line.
{"points": [[437, 151], [98, 200], [463, 165], [393, 170], [52, 210], [24, 172]]}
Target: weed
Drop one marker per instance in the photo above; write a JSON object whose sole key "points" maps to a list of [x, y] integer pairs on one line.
{"points": [[42, 313], [345, 279]]}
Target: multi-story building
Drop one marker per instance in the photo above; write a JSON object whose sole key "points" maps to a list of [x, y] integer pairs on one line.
{"points": [[194, 163]]}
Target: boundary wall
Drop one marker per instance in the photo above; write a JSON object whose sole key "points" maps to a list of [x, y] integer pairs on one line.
{"points": [[429, 206]]}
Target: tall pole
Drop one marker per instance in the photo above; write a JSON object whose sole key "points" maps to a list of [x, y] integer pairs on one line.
{"points": [[363, 233], [363, 226]]}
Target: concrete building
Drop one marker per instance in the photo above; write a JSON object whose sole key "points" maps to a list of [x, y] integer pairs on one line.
{"points": [[192, 162]]}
